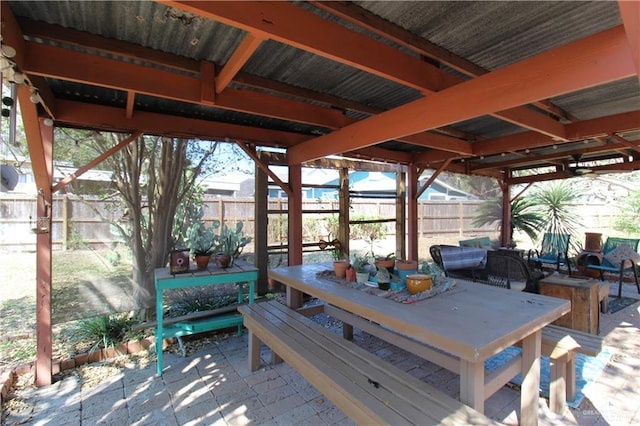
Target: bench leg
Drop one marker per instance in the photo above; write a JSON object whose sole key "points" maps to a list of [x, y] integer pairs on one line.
{"points": [[275, 358], [347, 331], [254, 351], [558, 389]]}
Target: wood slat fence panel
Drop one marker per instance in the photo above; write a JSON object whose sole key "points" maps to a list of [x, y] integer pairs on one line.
{"points": [[79, 220]]}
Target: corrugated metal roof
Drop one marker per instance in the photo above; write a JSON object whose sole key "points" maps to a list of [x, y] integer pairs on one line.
{"points": [[490, 34]]}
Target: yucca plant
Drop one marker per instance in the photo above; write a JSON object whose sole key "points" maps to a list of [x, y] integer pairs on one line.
{"points": [[524, 216], [555, 201]]}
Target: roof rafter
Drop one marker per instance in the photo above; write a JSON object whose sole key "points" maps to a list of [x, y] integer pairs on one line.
{"points": [[292, 25], [59, 63], [365, 19], [594, 60]]}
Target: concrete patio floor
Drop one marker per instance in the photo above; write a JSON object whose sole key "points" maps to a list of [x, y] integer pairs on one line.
{"points": [[215, 387]]}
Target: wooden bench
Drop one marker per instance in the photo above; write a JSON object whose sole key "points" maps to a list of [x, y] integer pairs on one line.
{"points": [[561, 345], [366, 388]]}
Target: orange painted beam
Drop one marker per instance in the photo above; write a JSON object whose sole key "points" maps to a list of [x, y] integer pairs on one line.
{"points": [[154, 82], [384, 28], [630, 13], [240, 56], [296, 27], [629, 144], [289, 24], [207, 83], [39, 152], [575, 131], [598, 59], [251, 152], [79, 114], [11, 33], [131, 100], [62, 64], [91, 164]]}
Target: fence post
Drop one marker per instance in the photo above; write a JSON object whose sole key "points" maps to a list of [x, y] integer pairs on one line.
{"points": [[65, 222], [461, 216]]}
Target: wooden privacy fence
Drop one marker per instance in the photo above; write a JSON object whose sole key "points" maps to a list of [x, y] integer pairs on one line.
{"points": [[79, 222]]}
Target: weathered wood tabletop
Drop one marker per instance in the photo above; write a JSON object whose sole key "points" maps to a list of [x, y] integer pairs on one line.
{"points": [[472, 321]]}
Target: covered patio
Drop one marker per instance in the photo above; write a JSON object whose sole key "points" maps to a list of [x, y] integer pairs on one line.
{"points": [[521, 92], [214, 386]]}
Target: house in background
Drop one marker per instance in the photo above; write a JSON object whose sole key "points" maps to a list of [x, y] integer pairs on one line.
{"points": [[322, 184]]}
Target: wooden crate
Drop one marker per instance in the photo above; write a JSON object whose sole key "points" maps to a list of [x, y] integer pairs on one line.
{"points": [[584, 295]]}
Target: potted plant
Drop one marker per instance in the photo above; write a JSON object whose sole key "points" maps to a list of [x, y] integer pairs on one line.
{"points": [[389, 262], [202, 253], [384, 278], [229, 243], [340, 265], [361, 266]]}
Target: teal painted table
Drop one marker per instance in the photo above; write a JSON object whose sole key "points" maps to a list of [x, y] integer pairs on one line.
{"points": [[240, 273]]}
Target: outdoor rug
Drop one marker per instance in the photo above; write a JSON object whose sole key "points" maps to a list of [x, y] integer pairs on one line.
{"points": [[588, 370], [617, 303]]}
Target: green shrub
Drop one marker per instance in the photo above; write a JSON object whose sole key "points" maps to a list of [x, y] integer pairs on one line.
{"points": [[106, 330]]}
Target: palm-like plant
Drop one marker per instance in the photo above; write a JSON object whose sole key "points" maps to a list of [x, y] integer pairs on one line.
{"points": [[555, 201], [524, 216]]}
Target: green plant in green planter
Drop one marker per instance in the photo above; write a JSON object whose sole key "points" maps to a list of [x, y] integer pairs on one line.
{"points": [[230, 241]]}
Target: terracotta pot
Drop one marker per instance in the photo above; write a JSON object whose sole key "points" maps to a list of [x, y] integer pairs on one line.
{"points": [[350, 274], [202, 261], [407, 265], [223, 260], [340, 268], [418, 283], [592, 241], [389, 264]]}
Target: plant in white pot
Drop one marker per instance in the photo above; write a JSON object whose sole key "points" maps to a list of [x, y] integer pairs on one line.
{"points": [[361, 265]]}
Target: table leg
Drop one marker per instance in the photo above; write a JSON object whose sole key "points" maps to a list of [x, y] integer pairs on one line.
{"points": [[294, 298], [529, 390], [472, 384]]}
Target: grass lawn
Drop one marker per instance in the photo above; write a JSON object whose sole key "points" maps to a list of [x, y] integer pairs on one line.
{"points": [[85, 284]]}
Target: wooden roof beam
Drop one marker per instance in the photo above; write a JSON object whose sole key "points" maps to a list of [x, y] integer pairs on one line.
{"points": [[374, 23], [207, 75], [594, 60], [630, 13], [289, 24], [240, 56], [80, 114], [54, 62]]}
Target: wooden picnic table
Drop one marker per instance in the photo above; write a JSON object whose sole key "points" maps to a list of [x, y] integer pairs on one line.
{"points": [[471, 322]]}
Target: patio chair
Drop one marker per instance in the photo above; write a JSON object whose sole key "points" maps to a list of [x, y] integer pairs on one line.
{"points": [[619, 255], [554, 250]]}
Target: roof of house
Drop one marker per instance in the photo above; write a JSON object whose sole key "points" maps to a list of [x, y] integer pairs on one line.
{"points": [[492, 88]]}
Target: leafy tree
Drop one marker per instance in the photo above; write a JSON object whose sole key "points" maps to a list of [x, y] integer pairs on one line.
{"points": [[629, 219], [156, 178]]}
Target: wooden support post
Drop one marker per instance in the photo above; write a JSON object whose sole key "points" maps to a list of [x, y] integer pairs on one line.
{"points": [[343, 216], [506, 215], [44, 341], [412, 213], [294, 297], [401, 214], [260, 233]]}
